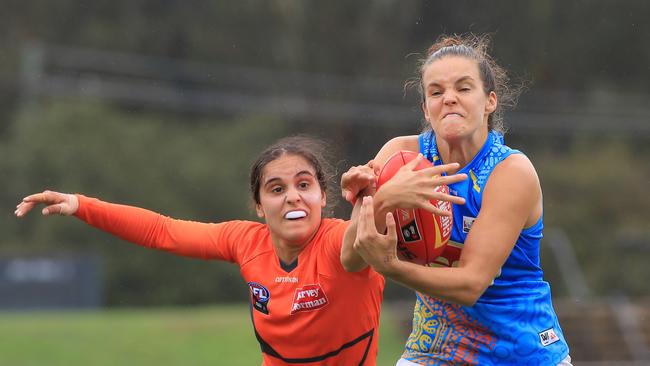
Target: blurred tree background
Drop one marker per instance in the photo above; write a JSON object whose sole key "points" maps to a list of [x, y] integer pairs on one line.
{"points": [[208, 84]]}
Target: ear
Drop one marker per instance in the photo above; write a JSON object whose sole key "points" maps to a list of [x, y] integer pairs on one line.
{"points": [[323, 200], [259, 210], [491, 104], [423, 105]]}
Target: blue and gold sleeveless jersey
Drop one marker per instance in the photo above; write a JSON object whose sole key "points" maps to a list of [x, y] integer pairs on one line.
{"points": [[513, 322]]}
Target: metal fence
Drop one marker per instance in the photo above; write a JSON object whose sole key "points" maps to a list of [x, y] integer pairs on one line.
{"points": [[190, 87]]}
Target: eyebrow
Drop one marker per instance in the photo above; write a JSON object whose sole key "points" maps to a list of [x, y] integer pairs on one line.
{"points": [[302, 172], [460, 80]]}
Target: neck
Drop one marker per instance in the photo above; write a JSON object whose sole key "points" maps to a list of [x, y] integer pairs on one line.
{"points": [[289, 252], [462, 150]]}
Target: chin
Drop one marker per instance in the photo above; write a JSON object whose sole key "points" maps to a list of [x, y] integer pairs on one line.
{"points": [[449, 128], [297, 239], [298, 235], [451, 135]]}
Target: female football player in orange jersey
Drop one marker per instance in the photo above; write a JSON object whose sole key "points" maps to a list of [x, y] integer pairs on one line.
{"points": [[306, 309]]}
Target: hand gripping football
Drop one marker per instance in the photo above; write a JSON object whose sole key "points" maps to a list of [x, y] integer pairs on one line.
{"points": [[421, 235]]}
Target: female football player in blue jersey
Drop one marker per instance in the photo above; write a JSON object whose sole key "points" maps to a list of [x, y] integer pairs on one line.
{"points": [[484, 301]]}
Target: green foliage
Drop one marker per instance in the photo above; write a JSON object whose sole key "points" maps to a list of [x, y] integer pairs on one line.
{"points": [[196, 170], [547, 40], [596, 191]]}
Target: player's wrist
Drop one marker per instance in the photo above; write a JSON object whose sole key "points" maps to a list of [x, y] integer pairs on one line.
{"points": [[383, 203], [391, 266]]}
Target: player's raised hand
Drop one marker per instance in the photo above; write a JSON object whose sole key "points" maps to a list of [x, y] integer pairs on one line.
{"points": [[56, 203], [358, 181], [416, 188], [376, 249]]}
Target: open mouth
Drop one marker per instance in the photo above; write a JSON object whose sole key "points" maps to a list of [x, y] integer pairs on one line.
{"points": [[295, 215], [452, 114]]}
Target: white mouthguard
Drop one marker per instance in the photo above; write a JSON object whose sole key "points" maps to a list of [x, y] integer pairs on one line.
{"points": [[295, 214]]}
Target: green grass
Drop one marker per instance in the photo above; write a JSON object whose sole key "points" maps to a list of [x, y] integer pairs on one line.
{"points": [[216, 335]]}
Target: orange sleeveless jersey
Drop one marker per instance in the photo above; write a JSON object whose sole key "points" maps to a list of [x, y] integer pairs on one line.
{"points": [[316, 314]]}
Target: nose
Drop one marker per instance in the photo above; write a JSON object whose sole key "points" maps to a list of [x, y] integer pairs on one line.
{"points": [[450, 97], [293, 195]]}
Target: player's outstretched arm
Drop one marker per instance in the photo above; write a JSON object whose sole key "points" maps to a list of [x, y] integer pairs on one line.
{"points": [[56, 203], [136, 225]]}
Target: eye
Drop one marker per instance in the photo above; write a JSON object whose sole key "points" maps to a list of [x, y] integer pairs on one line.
{"points": [[276, 189], [435, 93], [303, 185]]}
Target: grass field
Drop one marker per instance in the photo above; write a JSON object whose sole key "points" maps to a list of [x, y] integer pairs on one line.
{"points": [[216, 335]]}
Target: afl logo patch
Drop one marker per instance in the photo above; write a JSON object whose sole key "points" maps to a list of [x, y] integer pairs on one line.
{"points": [[260, 297]]}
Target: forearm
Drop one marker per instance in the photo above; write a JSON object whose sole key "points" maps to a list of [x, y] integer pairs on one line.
{"points": [[350, 259], [463, 284], [146, 228], [452, 284], [382, 204]]}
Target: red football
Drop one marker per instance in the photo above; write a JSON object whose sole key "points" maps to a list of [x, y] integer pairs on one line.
{"points": [[421, 236]]}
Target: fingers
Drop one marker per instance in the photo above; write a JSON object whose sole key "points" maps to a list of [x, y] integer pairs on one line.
{"points": [[23, 208], [347, 195], [366, 223], [428, 206], [446, 168], [56, 203], [349, 188], [413, 163], [443, 174], [357, 180], [29, 202], [449, 198], [391, 227], [449, 179], [58, 209], [442, 169], [46, 197]]}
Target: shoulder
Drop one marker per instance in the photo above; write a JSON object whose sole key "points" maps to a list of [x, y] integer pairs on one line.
{"points": [[243, 230], [330, 226], [515, 174], [247, 239], [327, 243], [518, 166], [396, 144], [334, 221], [513, 190], [244, 225], [402, 142]]}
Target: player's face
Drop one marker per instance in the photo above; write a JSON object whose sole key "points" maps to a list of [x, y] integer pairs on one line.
{"points": [[455, 103], [291, 200]]}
